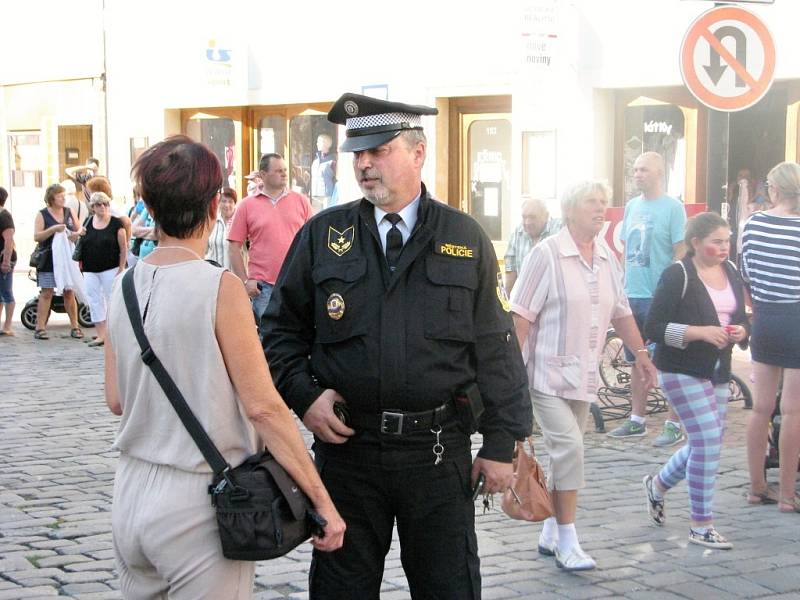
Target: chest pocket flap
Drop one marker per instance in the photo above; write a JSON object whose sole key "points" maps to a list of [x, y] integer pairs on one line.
{"points": [[449, 299], [345, 280], [349, 271]]}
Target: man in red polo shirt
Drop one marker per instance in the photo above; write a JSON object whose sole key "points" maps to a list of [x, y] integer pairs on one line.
{"points": [[269, 218]]}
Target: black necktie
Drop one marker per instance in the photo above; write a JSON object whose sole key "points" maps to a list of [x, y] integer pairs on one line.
{"points": [[394, 241]]}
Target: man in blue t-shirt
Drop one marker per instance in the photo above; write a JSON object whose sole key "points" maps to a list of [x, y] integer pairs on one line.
{"points": [[652, 231]]}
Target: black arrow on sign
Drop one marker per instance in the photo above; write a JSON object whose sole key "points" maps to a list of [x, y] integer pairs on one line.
{"points": [[715, 68]]}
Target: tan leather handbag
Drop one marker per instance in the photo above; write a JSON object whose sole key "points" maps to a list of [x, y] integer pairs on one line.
{"points": [[528, 498]]}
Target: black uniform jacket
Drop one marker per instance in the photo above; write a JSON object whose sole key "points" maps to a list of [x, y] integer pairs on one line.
{"points": [[339, 319], [692, 307]]}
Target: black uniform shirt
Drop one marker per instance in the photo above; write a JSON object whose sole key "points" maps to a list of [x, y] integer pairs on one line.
{"points": [[339, 319]]}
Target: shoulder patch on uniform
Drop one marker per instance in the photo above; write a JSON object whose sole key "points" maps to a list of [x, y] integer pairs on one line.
{"points": [[340, 242], [502, 295], [455, 250]]}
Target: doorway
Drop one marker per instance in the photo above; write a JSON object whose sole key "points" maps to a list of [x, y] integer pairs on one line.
{"points": [[26, 157], [757, 142], [479, 182]]}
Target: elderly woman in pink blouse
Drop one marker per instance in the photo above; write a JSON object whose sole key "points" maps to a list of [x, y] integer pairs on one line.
{"points": [[568, 290]]}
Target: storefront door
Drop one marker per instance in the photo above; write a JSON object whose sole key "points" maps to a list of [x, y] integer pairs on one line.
{"points": [[26, 194]]}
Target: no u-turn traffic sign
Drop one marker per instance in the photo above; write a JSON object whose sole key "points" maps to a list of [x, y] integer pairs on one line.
{"points": [[728, 59]]}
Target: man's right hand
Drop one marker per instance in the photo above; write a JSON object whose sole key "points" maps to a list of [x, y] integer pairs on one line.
{"points": [[323, 422], [251, 285]]}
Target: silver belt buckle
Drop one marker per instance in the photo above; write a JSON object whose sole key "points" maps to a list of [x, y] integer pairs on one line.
{"points": [[392, 423]]}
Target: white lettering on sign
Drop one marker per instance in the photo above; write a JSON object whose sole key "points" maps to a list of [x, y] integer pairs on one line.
{"points": [[658, 127]]}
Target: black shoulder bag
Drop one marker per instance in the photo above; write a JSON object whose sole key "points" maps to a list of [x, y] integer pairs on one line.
{"points": [[261, 512]]}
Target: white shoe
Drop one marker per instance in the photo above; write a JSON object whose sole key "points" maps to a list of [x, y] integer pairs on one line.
{"points": [[574, 560], [547, 547]]}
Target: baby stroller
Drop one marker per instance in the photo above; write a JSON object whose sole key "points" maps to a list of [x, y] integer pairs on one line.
{"points": [[772, 459], [28, 315]]}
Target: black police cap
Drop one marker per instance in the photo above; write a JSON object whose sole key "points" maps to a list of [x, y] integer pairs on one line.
{"points": [[370, 122]]}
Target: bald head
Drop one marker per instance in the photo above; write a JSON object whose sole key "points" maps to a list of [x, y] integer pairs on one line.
{"points": [[648, 174], [534, 217]]}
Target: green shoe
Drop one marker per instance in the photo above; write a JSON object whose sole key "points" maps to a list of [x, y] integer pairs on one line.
{"points": [[671, 435], [628, 429]]}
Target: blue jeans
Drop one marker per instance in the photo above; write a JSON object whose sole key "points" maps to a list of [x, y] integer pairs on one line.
{"points": [[260, 302], [6, 285], [639, 307]]}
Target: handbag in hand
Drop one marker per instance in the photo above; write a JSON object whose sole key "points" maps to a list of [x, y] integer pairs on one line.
{"points": [[528, 498], [261, 512], [38, 257]]}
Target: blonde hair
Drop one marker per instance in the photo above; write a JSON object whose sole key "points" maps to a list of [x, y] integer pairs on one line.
{"points": [[99, 197], [785, 177], [577, 192]]}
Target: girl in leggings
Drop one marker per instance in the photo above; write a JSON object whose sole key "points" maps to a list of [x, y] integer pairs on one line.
{"points": [[696, 316]]}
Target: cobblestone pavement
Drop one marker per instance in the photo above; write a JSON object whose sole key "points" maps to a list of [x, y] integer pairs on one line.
{"points": [[56, 474]]}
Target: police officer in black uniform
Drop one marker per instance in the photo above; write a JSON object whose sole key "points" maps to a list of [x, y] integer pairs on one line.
{"points": [[388, 333]]}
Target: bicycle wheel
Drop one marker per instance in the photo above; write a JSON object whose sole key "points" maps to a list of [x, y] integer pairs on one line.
{"points": [[740, 391], [615, 371]]}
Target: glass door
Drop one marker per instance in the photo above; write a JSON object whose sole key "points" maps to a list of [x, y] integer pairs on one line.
{"points": [[486, 160]]}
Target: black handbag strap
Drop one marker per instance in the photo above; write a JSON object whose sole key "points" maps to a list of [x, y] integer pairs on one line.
{"points": [[205, 445]]}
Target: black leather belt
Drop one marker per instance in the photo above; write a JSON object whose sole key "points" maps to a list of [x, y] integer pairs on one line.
{"points": [[398, 422]]}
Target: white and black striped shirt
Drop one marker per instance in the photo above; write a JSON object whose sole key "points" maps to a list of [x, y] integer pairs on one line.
{"points": [[771, 257]]}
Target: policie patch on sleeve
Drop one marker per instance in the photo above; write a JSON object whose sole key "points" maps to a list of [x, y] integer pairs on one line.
{"points": [[455, 250]]}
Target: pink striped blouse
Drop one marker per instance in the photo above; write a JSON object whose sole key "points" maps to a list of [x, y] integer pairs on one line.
{"points": [[569, 304]]}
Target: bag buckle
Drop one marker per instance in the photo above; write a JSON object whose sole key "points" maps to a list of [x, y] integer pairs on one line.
{"points": [[392, 423]]}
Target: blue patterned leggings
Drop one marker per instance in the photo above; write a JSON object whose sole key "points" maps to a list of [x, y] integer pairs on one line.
{"points": [[701, 407]]}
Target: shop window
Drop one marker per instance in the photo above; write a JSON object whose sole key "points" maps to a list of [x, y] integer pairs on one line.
{"points": [[312, 158], [219, 134], [539, 164], [659, 128]]}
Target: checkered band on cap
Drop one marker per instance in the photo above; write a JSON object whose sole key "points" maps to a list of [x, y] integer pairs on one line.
{"points": [[413, 121]]}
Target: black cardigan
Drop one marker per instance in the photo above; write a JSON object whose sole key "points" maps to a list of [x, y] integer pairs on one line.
{"points": [[694, 307]]}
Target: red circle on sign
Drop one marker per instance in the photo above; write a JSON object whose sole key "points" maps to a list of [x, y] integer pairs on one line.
{"points": [[700, 29]]}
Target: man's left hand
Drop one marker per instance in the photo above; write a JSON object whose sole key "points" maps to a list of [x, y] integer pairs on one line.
{"points": [[498, 475]]}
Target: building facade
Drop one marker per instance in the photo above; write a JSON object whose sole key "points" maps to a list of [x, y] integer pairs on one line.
{"points": [[532, 94]]}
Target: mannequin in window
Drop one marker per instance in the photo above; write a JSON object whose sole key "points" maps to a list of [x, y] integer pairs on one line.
{"points": [[323, 173]]}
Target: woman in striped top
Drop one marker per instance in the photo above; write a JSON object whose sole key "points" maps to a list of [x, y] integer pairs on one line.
{"points": [[771, 260]]}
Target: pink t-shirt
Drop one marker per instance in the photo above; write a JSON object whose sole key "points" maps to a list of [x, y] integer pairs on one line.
{"points": [[270, 227], [724, 303]]}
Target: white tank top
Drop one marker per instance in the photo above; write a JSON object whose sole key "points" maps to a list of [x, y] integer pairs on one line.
{"points": [[178, 303]]}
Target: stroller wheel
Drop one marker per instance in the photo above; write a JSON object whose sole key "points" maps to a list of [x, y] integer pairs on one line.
{"points": [[84, 316], [28, 316]]}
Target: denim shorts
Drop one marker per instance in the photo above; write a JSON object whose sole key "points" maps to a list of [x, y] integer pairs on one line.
{"points": [[6, 285], [639, 307]]}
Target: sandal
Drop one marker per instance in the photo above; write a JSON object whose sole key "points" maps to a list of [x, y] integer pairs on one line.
{"points": [[40, 334], [76, 333], [789, 505], [768, 496], [96, 343]]}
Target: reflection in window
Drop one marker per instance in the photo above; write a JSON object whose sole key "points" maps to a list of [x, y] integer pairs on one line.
{"points": [[312, 159], [489, 153], [219, 135], [272, 136], [659, 128]]}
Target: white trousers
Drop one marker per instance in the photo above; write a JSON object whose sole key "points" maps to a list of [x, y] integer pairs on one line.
{"points": [[166, 540], [98, 291]]}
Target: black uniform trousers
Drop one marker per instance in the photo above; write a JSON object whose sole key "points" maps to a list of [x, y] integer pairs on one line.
{"points": [[372, 486]]}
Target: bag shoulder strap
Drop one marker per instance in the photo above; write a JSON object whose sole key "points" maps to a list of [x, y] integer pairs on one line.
{"points": [[204, 444]]}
